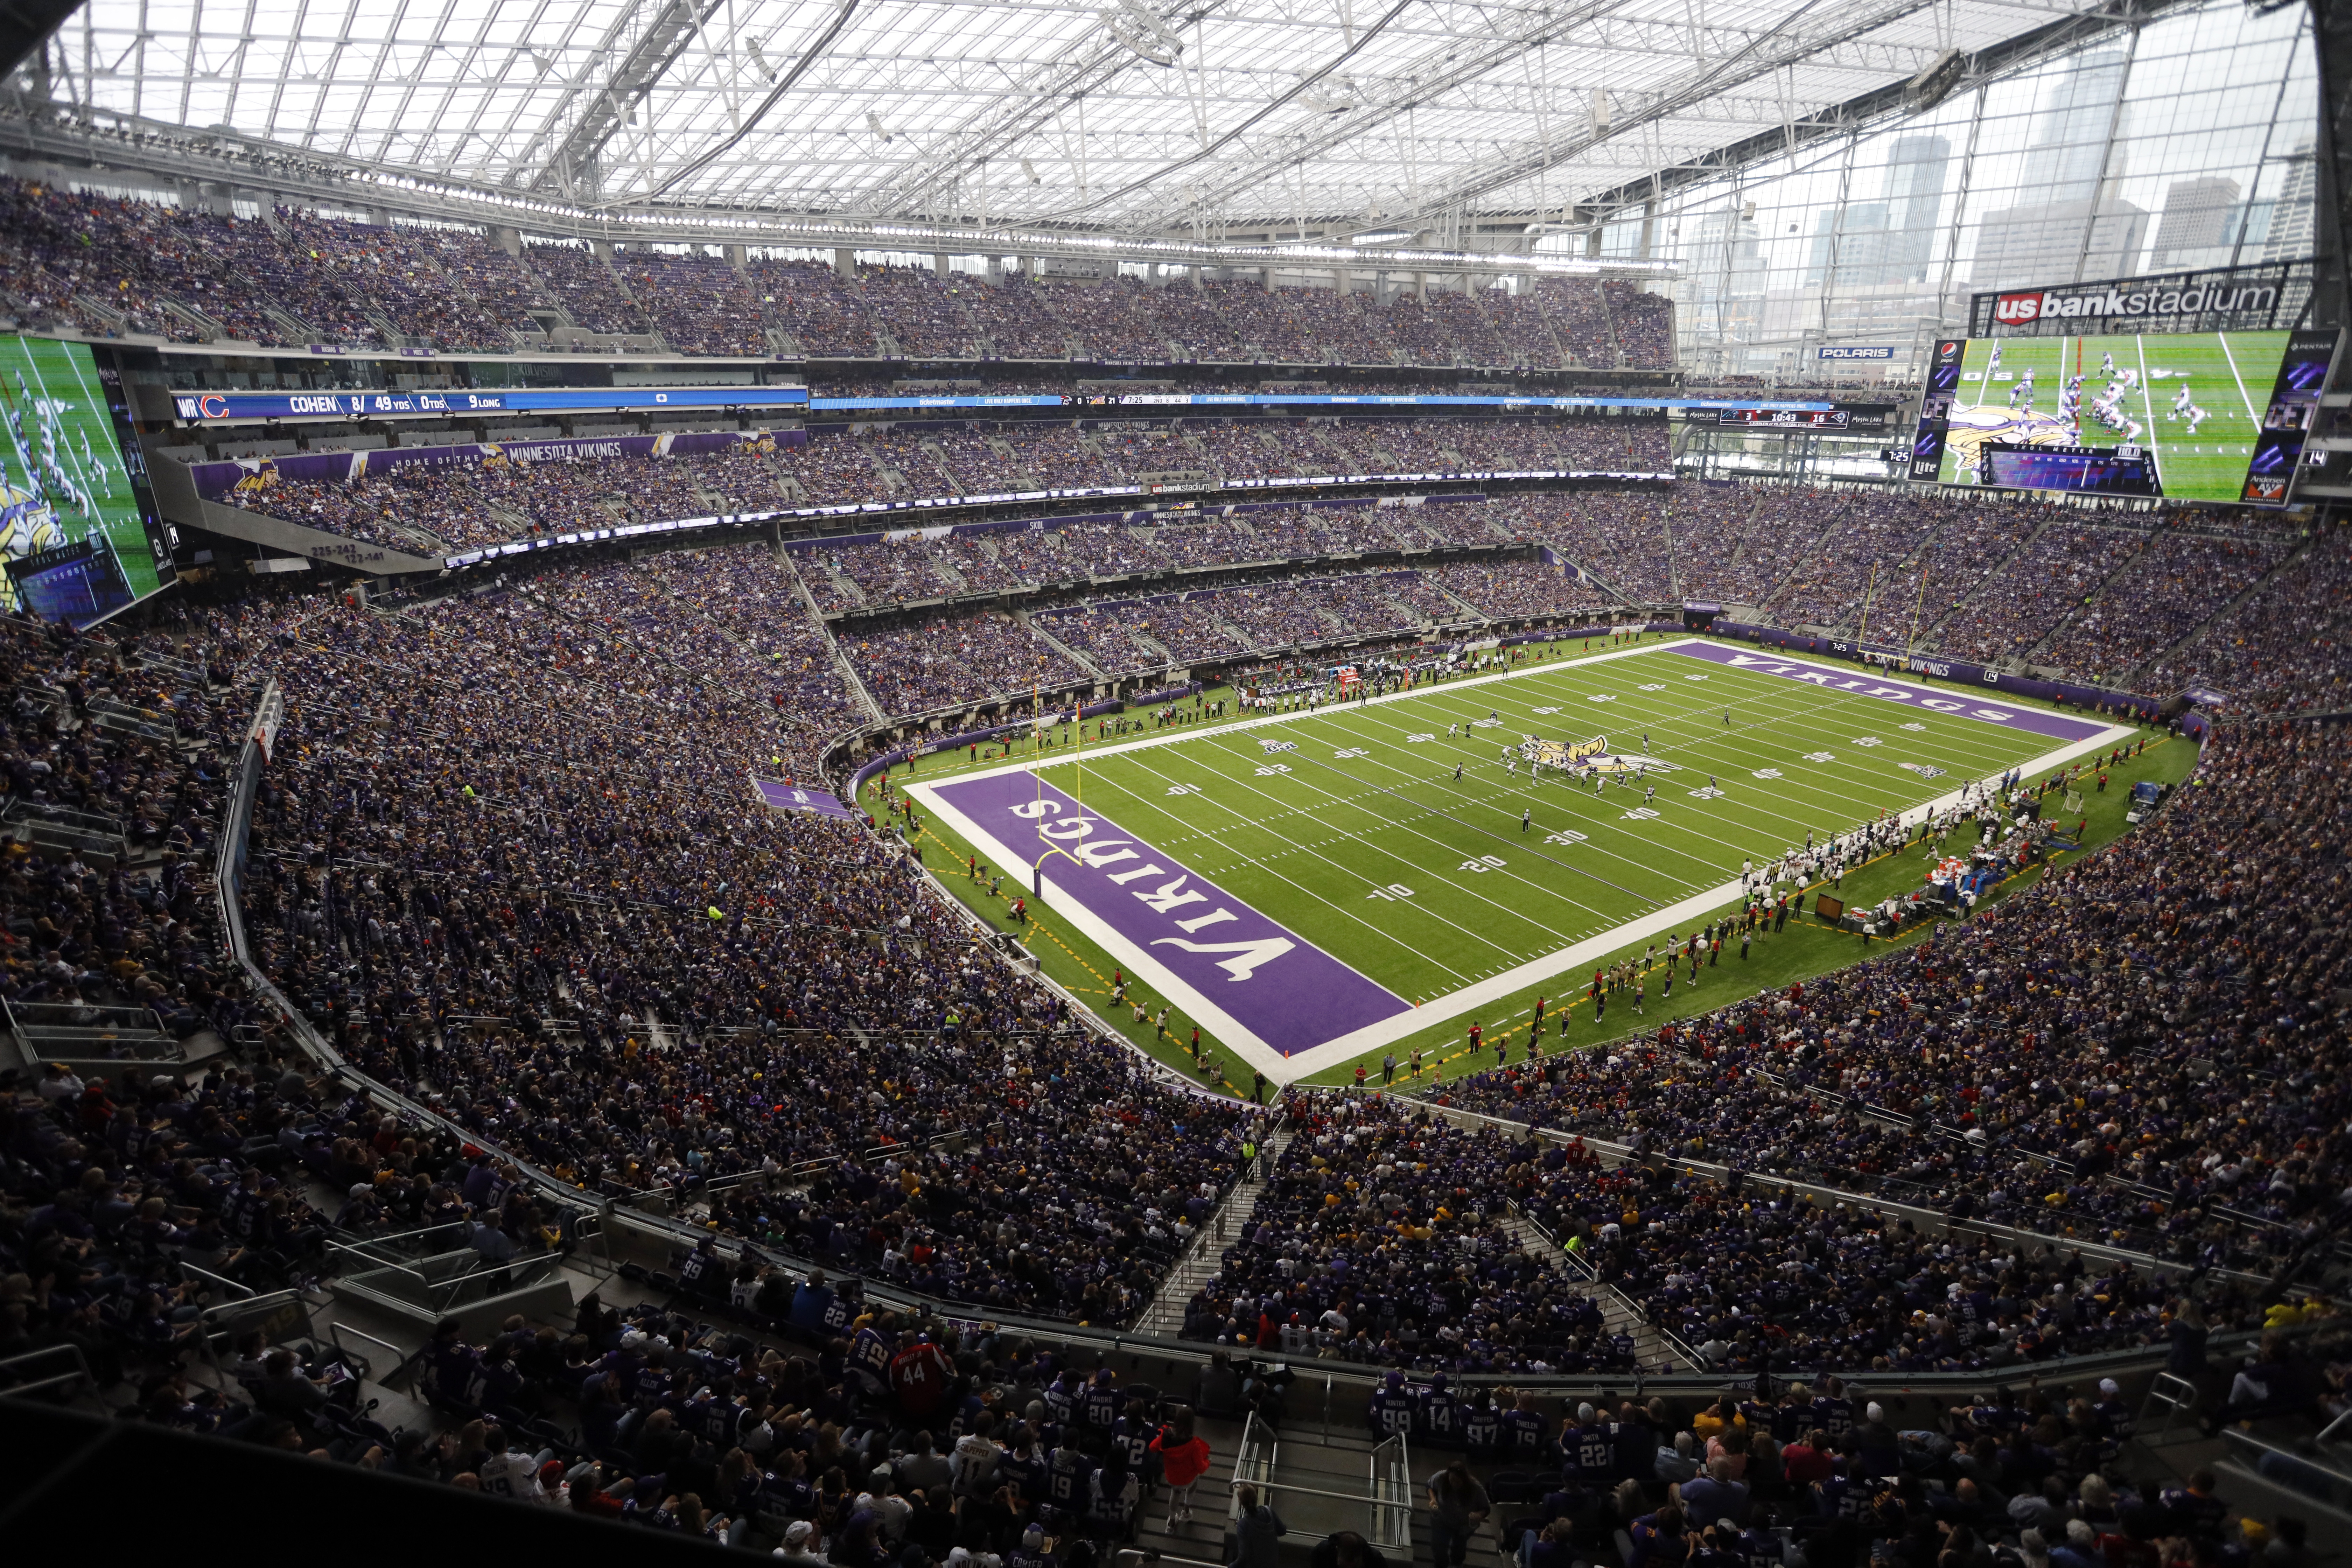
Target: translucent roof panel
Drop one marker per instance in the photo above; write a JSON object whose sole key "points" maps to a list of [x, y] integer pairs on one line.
{"points": [[1115, 116]]}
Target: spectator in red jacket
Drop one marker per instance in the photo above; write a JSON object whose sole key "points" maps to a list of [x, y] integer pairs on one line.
{"points": [[1183, 1460]]}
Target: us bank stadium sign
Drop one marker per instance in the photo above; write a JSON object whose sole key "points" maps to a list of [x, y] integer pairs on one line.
{"points": [[2224, 299]]}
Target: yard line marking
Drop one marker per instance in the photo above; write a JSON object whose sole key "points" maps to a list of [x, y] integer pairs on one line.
{"points": [[1444, 849], [1345, 869], [1846, 804], [2223, 339]]}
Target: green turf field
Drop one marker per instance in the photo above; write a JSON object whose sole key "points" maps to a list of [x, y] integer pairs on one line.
{"points": [[60, 432], [1357, 835], [2228, 375]]}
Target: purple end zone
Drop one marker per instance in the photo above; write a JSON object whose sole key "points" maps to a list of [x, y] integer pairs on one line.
{"points": [[1986, 711], [1284, 990], [792, 797]]}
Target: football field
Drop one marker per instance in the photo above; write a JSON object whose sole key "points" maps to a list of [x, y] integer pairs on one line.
{"points": [[2229, 375], [1309, 885]]}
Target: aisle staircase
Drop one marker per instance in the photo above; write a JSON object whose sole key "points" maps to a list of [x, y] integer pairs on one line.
{"points": [[1206, 1255], [1657, 1350]]}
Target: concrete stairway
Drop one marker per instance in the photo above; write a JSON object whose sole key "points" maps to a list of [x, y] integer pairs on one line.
{"points": [[1205, 1257], [1653, 1350]]}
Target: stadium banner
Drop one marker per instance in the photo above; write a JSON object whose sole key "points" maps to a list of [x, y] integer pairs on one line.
{"points": [[1936, 407], [1854, 352], [2260, 298], [199, 407], [1238, 973], [2030, 721], [1407, 401], [787, 796], [227, 480], [1106, 493], [1802, 419]]}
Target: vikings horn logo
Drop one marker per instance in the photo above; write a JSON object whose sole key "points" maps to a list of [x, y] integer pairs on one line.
{"points": [[257, 479], [1592, 756], [1971, 429], [29, 524]]}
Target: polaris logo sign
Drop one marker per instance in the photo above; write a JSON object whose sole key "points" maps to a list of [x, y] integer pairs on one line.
{"points": [[2125, 301], [1844, 350]]}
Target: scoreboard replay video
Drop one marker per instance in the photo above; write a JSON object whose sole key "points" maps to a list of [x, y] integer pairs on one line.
{"points": [[2125, 470]]}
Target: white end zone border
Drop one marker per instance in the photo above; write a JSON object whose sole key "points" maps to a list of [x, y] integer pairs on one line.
{"points": [[1279, 1068]]}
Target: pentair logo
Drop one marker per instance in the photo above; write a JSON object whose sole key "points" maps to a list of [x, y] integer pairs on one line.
{"points": [[2018, 309]]}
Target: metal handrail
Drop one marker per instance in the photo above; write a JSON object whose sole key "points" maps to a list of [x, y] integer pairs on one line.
{"points": [[66, 816], [2177, 1394], [207, 1328], [452, 1289], [400, 1358], [364, 1242], [2338, 1497], [79, 1372], [379, 1266], [246, 1291]]}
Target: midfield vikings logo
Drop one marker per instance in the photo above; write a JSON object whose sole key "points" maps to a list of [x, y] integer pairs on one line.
{"points": [[1591, 756], [1971, 429]]}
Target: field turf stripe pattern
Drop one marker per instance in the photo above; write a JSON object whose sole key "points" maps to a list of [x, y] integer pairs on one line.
{"points": [[1358, 837]]}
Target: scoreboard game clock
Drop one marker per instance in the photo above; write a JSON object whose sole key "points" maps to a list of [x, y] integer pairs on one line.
{"points": [[1785, 418]]}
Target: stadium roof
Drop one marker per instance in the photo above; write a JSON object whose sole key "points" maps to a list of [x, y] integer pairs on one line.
{"points": [[1119, 117]]}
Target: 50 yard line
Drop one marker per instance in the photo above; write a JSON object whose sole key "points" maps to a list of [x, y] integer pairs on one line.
{"points": [[1443, 847], [1841, 800]]}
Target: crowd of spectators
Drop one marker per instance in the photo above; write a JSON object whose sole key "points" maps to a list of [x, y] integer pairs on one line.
{"points": [[2283, 650], [587, 288], [1622, 536], [469, 506], [2008, 579], [1577, 310], [1744, 1278], [336, 280], [944, 660], [2170, 588], [927, 316], [1381, 1238], [82, 263], [455, 873], [1857, 552], [700, 303], [2015, 605], [388, 271], [1518, 589], [813, 306], [1644, 322], [502, 858]]}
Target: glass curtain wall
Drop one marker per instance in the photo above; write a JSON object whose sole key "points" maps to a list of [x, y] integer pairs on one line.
{"points": [[2186, 143]]}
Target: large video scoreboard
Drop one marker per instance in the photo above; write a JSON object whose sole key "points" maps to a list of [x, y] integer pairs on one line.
{"points": [[2217, 416]]}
